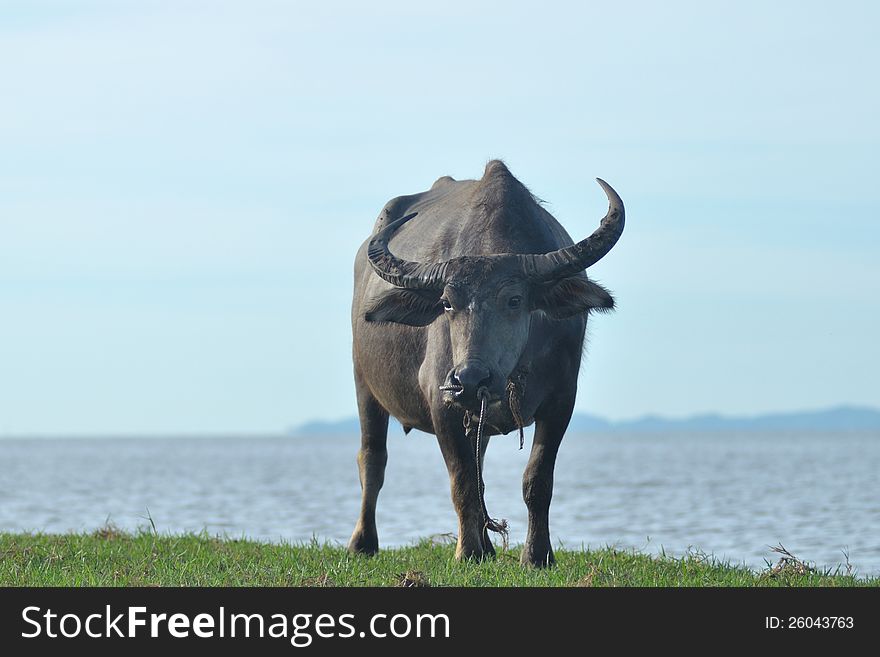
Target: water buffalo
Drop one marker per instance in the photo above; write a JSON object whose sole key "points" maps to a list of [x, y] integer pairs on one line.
{"points": [[479, 303]]}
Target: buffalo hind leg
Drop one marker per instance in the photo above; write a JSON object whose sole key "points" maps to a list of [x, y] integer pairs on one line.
{"points": [[458, 452], [372, 457], [550, 426]]}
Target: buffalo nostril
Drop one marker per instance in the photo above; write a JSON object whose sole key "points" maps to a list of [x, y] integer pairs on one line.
{"points": [[472, 377], [454, 386]]}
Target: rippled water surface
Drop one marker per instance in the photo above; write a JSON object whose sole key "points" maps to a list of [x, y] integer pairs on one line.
{"points": [[728, 495]]}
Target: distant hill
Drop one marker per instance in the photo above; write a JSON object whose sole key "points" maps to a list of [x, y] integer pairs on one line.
{"points": [[842, 418]]}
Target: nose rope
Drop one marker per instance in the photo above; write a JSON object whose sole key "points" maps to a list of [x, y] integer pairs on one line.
{"points": [[514, 398], [499, 527]]}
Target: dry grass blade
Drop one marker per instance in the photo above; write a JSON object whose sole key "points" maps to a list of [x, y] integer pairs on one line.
{"points": [[109, 532], [320, 581], [413, 579], [789, 564]]}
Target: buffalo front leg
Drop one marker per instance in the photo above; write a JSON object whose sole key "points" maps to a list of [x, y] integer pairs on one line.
{"points": [[550, 426], [372, 457], [458, 452]]}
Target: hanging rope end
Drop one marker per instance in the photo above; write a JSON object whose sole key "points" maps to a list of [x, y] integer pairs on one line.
{"points": [[499, 527]]}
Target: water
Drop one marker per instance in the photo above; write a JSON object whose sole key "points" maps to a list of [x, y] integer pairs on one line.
{"points": [[729, 495]]}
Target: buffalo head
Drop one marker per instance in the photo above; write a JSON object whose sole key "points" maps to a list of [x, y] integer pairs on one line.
{"points": [[488, 301]]}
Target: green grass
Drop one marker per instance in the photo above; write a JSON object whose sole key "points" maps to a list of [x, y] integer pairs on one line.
{"points": [[113, 558]]}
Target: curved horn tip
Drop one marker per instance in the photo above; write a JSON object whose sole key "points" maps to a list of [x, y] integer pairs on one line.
{"points": [[606, 187], [397, 223], [613, 196], [387, 231]]}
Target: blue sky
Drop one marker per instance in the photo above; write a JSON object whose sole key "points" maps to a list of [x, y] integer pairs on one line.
{"points": [[183, 187]]}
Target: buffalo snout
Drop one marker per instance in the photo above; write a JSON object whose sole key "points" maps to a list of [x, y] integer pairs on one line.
{"points": [[465, 385]]}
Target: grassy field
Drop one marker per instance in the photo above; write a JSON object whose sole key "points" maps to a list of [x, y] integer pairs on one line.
{"points": [[113, 558]]}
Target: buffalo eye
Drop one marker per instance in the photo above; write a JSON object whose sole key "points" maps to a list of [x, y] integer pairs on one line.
{"points": [[514, 302], [446, 304]]}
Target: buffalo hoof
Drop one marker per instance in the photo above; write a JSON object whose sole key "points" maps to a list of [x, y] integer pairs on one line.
{"points": [[362, 543], [475, 553], [537, 558]]}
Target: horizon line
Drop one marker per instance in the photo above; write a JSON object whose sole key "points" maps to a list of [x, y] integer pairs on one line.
{"points": [[677, 418], [293, 429]]}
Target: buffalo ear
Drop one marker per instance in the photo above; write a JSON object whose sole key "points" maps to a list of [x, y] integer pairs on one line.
{"points": [[403, 306], [572, 296]]}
